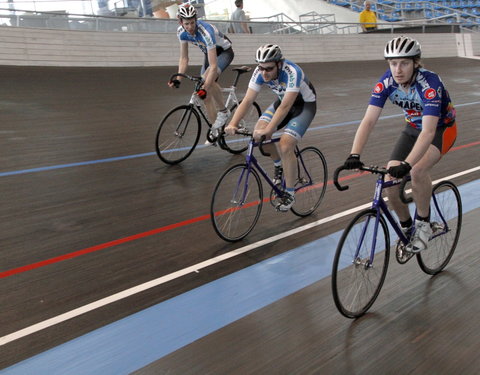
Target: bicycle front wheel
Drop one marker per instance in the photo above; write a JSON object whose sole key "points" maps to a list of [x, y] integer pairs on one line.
{"points": [[446, 222], [236, 203], [238, 143], [356, 279], [178, 134], [311, 181]]}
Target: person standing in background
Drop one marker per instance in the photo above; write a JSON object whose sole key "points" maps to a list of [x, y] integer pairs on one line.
{"points": [[240, 26], [368, 18]]}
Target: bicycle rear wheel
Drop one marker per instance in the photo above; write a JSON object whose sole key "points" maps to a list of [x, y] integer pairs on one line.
{"points": [[238, 143], [236, 203], [178, 134], [446, 222], [311, 181], [355, 282]]}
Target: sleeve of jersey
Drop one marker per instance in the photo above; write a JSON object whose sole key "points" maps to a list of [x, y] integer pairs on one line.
{"points": [[294, 79], [431, 97], [208, 34], [380, 92], [256, 81], [181, 35]]}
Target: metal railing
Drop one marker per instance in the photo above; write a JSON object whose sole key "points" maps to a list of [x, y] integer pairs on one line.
{"points": [[281, 24]]}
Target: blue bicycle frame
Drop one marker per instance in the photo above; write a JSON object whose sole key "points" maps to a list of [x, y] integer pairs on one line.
{"points": [[252, 162], [380, 207]]}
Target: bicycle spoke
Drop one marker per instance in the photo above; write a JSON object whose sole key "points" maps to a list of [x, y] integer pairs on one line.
{"points": [[356, 281], [236, 203], [446, 220], [311, 181], [178, 134]]}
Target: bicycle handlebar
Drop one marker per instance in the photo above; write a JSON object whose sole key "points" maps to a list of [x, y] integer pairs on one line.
{"points": [[176, 82], [371, 169], [374, 170]]}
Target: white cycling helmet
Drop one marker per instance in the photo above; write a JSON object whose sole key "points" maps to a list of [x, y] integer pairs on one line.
{"points": [[402, 47], [186, 11], [268, 53]]}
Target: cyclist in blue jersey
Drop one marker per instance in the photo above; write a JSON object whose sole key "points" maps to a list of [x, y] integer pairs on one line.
{"points": [[218, 52], [430, 131], [293, 111]]}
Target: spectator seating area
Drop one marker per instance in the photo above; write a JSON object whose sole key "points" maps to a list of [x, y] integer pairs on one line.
{"points": [[464, 12]]}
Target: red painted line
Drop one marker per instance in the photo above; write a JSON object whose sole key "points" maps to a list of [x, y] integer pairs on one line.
{"points": [[102, 246], [152, 232]]}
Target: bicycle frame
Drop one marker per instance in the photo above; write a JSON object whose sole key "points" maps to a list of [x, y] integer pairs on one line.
{"points": [[252, 162], [381, 207]]}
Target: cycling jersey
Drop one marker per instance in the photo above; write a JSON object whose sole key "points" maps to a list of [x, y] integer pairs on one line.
{"points": [[206, 37], [291, 78], [427, 96]]}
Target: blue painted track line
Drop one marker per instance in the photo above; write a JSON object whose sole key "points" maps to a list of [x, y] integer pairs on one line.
{"points": [[120, 158], [142, 338]]}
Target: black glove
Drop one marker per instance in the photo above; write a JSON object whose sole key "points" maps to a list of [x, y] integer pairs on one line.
{"points": [[400, 171], [353, 162], [176, 83]]}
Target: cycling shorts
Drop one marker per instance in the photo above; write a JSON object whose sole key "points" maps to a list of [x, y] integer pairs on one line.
{"points": [[444, 139], [224, 59], [297, 120]]}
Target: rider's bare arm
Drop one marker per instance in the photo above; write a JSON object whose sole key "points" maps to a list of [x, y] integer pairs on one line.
{"points": [[365, 128], [246, 103], [282, 111], [212, 72], [424, 140]]}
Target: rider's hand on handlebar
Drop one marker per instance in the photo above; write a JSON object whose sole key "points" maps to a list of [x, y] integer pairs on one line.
{"points": [[353, 162], [259, 133], [230, 129], [399, 171], [174, 83]]}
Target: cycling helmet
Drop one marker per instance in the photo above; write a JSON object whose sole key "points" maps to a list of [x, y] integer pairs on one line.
{"points": [[401, 47], [186, 11], [268, 53]]}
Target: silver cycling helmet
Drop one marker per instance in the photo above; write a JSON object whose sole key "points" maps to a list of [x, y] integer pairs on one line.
{"points": [[186, 11], [402, 47], [268, 53]]}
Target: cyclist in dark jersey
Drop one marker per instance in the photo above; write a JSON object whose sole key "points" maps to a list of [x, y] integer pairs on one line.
{"points": [[429, 133], [218, 55], [294, 110]]}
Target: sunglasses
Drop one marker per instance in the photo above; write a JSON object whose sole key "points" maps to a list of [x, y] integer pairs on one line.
{"points": [[266, 68]]}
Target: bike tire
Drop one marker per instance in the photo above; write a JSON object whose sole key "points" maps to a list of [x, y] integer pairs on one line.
{"points": [[237, 143], [234, 211], [446, 222], [311, 183], [178, 134], [355, 285]]}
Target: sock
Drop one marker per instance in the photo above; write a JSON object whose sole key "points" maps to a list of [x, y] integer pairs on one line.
{"points": [[277, 163], [290, 191], [426, 219], [406, 224]]}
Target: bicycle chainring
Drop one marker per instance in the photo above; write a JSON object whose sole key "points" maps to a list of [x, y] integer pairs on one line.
{"points": [[401, 253]]}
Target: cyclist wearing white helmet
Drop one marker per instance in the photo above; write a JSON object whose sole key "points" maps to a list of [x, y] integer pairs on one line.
{"points": [[293, 111], [218, 52], [430, 132]]}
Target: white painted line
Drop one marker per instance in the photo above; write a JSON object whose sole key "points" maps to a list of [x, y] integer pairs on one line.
{"points": [[195, 268]]}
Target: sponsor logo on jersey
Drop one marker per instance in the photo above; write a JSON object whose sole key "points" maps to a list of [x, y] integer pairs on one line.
{"points": [[430, 94], [378, 88], [405, 104]]}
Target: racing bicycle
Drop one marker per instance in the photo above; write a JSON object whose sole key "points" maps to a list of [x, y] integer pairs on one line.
{"points": [[179, 131], [237, 199], [361, 259]]}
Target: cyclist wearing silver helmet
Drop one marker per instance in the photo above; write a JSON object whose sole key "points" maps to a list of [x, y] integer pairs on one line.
{"points": [[218, 52], [293, 111], [429, 133]]}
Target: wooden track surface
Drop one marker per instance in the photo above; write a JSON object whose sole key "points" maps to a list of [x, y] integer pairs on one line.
{"points": [[53, 117]]}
